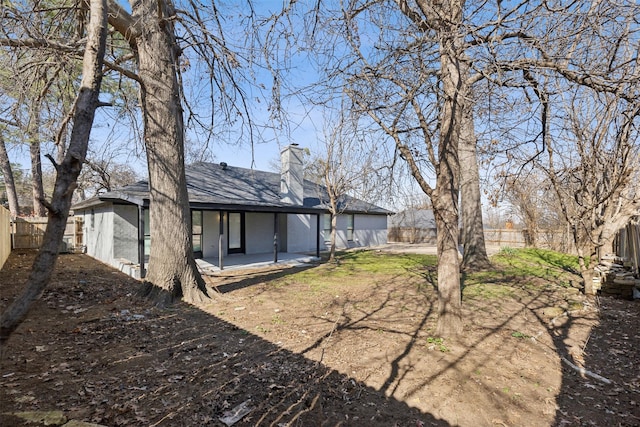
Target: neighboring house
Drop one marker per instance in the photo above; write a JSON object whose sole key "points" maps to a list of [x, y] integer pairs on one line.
{"points": [[234, 211], [413, 225]]}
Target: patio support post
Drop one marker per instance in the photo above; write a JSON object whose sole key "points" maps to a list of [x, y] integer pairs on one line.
{"points": [[143, 272], [221, 242], [275, 237], [317, 235]]}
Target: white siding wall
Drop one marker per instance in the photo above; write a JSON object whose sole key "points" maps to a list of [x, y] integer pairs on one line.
{"points": [[259, 232], [125, 232]]}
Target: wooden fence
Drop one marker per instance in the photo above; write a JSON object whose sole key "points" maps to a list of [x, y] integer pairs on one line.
{"points": [[27, 233], [627, 243], [5, 235], [412, 235], [550, 239]]}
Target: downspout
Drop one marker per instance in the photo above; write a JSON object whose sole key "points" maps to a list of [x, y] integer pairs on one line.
{"points": [[317, 235], [221, 242], [143, 272]]}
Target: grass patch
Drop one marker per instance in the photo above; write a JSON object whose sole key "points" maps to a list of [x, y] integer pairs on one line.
{"points": [[513, 271], [358, 266], [519, 335], [488, 291], [541, 263], [520, 268], [373, 262]]}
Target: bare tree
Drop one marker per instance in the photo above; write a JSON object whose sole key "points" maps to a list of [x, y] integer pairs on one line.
{"points": [[592, 165], [37, 85], [415, 68], [414, 86], [523, 193], [145, 48], [150, 32], [104, 172], [37, 185], [344, 168], [581, 82], [163, 42], [58, 209]]}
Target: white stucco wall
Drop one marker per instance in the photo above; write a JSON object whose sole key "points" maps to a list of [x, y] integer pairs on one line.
{"points": [[259, 232], [301, 233], [112, 235], [98, 232], [125, 232], [370, 230], [211, 234], [341, 234], [282, 233]]}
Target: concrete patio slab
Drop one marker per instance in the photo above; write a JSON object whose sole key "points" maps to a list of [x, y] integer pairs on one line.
{"points": [[209, 266]]}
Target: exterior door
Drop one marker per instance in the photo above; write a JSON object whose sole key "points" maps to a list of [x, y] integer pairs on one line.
{"points": [[235, 226]]}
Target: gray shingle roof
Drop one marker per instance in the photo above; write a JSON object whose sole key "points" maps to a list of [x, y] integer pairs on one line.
{"points": [[415, 218], [215, 187]]}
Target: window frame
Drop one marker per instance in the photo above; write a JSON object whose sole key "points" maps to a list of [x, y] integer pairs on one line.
{"points": [[326, 226], [351, 221]]}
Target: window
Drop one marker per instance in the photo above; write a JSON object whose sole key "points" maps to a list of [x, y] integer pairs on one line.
{"points": [[196, 233], [236, 231], [350, 227], [93, 218], [326, 227]]}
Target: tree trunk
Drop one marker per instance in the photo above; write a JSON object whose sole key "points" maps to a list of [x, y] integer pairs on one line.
{"points": [[475, 252], [531, 234], [445, 202], [607, 246], [334, 224], [172, 267], [36, 179], [586, 271], [68, 171], [9, 183]]}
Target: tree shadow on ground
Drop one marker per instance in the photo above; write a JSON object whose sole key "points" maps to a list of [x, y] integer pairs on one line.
{"points": [[93, 351], [609, 392], [243, 278], [384, 308], [103, 356], [573, 401]]}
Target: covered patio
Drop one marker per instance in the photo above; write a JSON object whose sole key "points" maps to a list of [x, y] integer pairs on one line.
{"points": [[210, 266]]}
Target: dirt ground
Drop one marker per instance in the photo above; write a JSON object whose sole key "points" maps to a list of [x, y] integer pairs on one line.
{"points": [[283, 353]]}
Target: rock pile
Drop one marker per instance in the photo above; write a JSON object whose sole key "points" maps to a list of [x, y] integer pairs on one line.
{"points": [[615, 276]]}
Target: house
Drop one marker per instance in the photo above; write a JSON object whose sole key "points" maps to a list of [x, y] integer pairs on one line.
{"points": [[413, 225], [234, 211]]}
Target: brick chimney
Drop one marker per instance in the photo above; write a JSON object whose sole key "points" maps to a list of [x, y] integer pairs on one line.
{"points": [[291, 175]]}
